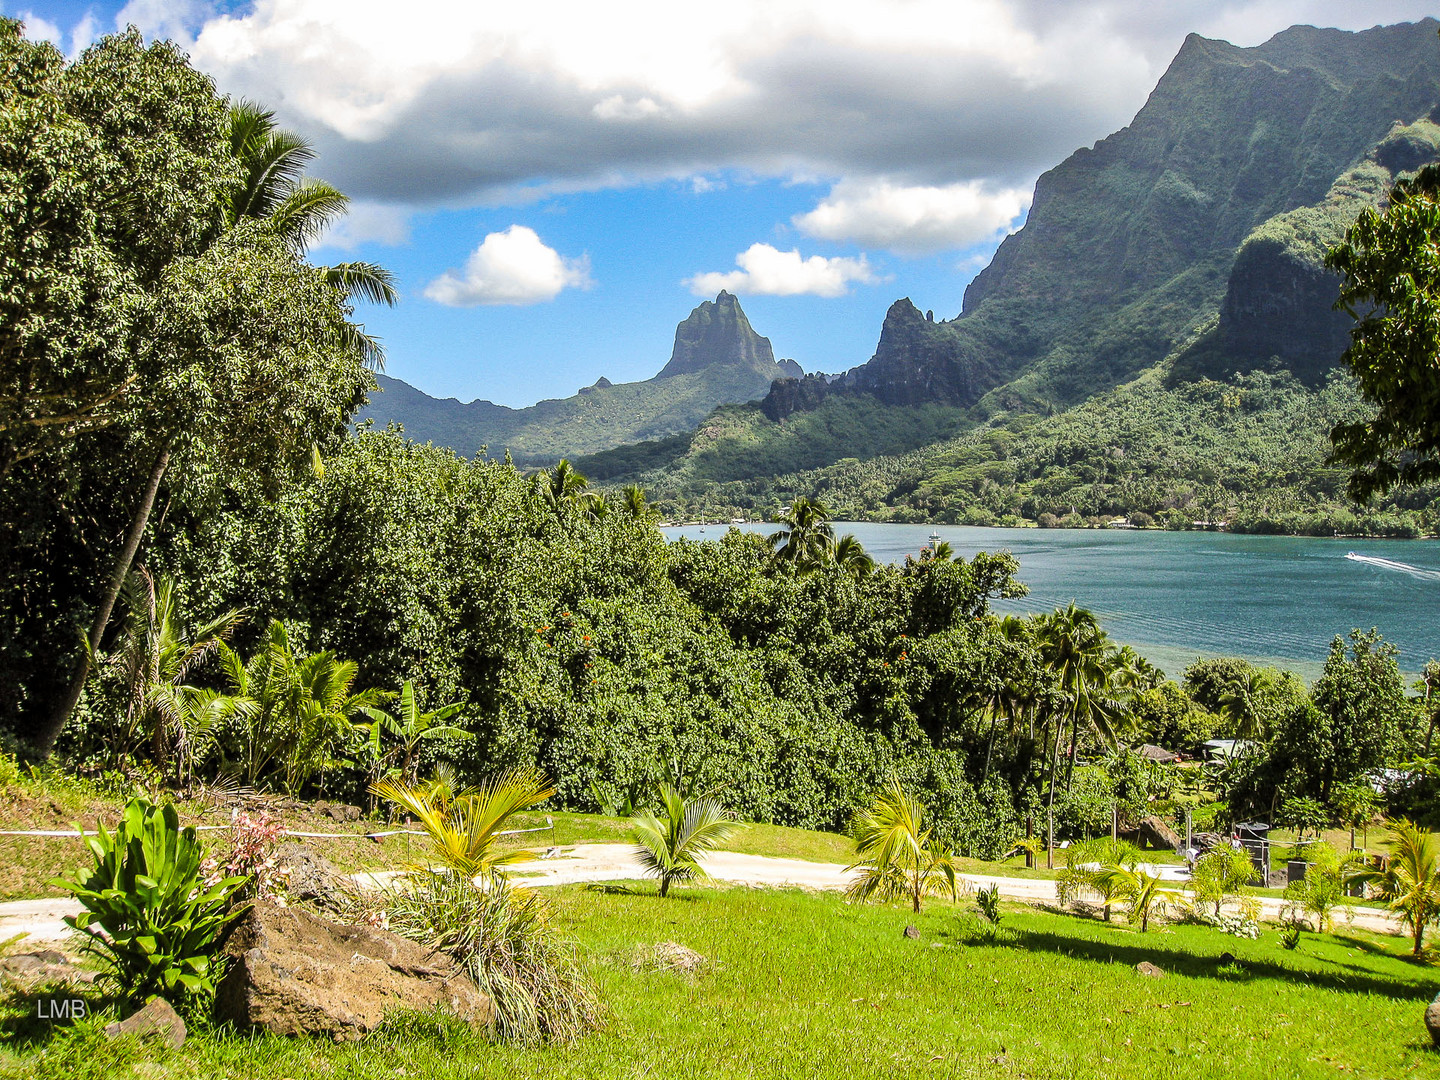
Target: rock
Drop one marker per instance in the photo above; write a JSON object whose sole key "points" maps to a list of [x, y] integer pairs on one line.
{"points": [[292, 972], [1149, 970], [344, 812], [913, 933], [309, 876], [156, 1018], [717, 332], [1227, 958], [1156, 834], [1432, 1020]]}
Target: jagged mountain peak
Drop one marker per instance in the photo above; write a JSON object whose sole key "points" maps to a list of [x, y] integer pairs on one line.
{"points": [[717, 332]]}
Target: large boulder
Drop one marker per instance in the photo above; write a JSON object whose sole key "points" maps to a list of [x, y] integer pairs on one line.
{"points": [[1432, 1020], [309, 876], [293, 972]]}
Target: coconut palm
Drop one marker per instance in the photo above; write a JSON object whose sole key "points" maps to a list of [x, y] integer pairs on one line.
{"points": [[1143, 892], [898, 857], [561, 487], [1410, 882], [156, 656], [633, 496], [807, 533], [1243, 705], [465, 829], [851, 557], [669, 846]]}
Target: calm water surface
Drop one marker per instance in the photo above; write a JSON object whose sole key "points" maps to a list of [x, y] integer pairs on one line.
{"points": [[1176, 596]]}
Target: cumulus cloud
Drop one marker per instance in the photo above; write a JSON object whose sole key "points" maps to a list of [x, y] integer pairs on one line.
{"points": [[914, 219], [510, 267], [456, 103], [367, 221], [766, 271]]}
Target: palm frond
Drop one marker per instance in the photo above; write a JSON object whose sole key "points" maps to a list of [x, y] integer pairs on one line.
{"points": [[366, 280]]}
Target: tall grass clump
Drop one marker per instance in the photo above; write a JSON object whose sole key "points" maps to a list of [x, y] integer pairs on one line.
{"points": [[467, 907], [503, 937]]}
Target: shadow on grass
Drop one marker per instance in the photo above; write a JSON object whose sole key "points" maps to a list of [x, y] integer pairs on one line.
{"points": [[1207, 967], [27, 1014]]}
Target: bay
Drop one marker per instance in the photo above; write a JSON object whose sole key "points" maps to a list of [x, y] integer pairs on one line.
{"points": [[1175, 596]]}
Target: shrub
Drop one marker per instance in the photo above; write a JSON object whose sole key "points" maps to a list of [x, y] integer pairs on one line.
{"points": [[251, 857], [988, 900], [503, 937], [160, 919]]}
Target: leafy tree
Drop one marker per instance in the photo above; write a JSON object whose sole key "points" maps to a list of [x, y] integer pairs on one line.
{"points": [[174, 335], [1390, 284], [897, 856], [1410, 882], [669, 846]]}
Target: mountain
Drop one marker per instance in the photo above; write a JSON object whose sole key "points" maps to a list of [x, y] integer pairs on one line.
{"points": [[718, 359], [1163, 269], [1129, 244]]}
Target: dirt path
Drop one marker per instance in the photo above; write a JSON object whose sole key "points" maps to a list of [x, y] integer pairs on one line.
{"points": [[41, 919]]}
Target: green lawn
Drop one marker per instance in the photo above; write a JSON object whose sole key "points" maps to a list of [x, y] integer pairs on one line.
{"points": [[805, 985]]}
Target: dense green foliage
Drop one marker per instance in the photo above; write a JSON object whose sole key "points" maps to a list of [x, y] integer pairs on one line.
{"points": [[1251, 450], [1392, 283], [155, 907]]}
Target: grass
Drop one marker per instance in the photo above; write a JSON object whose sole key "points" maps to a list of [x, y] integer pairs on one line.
{"points": [[804, 985]]}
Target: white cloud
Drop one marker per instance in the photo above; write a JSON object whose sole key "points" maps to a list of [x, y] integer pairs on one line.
{"points": [[510, 267], [38, 28], [766, 271], [369, 221], [914, 219], [456, 103]]}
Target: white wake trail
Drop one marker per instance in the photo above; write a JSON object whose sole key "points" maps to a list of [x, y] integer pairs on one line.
{"points": [[1391, 564]]}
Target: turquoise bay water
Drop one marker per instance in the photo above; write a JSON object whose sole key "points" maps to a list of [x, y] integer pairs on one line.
{"points": [[1175, 596]]}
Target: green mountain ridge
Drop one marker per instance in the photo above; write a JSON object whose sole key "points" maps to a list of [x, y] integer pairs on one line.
{"points": [[718, 359], [1225, 284]]}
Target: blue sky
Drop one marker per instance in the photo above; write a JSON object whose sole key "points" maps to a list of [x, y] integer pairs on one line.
{"points": [[557, 184]]}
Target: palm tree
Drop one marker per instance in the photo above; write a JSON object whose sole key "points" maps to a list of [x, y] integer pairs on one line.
{"points": [[1242, 706], [562, 486], [1142, 891], [634, 502], [807, 533], [897, 856], [465, 828], [1087, 667], [411, 727], [156, 656], [322, 713], [852, 558], [669, 848], [1410, 882], [300, 209]]}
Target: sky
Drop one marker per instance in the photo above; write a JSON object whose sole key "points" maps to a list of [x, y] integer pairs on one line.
{"points": [[556, 184]]}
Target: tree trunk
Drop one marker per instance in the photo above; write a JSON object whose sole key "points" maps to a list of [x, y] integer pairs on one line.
{"points": [[45, 738]]}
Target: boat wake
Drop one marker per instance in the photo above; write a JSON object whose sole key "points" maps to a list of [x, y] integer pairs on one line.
{"points": [[1391, 564]]}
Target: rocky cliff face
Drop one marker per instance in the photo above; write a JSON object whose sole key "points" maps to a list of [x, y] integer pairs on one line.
{"points": [[1279, 299], [718, 333], [1129, 244], [920, 361]]}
